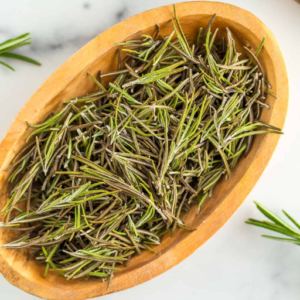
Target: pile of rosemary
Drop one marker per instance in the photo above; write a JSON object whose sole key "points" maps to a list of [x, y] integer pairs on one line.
{"points": [[111, 173]]}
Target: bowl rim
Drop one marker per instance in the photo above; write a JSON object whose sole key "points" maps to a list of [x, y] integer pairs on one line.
{"points": [[69, 70]]}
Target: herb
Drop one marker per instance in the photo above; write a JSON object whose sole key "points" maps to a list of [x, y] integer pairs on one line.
{"points": [[278, 225], [12, 44], [111, 173]]}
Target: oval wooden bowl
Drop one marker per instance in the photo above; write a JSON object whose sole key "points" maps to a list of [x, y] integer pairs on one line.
{"points": [[71, 80]]}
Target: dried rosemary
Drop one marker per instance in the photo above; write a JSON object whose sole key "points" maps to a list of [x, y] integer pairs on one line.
{"points": [[111, 173]]}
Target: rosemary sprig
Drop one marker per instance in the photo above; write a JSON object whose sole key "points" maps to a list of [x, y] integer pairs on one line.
{"points": [[12, 44], [278, 225]]}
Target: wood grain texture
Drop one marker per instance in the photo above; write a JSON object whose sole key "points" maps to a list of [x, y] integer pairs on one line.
{"points": [[71, 80]]}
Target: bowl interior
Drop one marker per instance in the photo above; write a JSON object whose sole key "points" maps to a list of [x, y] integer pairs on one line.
{"points": [[82, 85]]}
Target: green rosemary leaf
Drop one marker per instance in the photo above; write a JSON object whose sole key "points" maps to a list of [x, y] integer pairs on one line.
{"points": [[20, 57], [293, 220], [282, 239], [6, 65]]}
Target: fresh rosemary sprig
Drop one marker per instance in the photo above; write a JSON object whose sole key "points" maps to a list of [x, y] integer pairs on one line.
{"points": [[111, 173], [278, 225], [12, 44]]}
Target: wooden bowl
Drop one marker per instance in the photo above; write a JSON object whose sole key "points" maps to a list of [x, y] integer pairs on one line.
{"points": [[71, 80]]}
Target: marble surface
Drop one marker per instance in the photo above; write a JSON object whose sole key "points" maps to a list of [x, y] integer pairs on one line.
{"points": [[236, 263]]}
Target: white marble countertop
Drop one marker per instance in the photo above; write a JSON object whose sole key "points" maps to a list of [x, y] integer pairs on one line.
{"points": [[236, 263]]}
